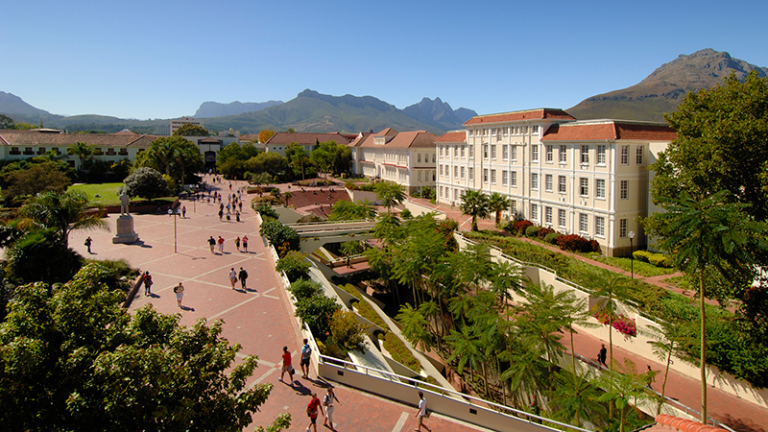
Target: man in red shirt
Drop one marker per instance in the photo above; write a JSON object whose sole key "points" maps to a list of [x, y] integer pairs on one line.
{"points": [[312, 411], [287, 367]]}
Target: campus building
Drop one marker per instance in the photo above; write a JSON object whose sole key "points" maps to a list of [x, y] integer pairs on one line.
{"points": [[179, 122], [405, 158], [307, 140], [584, 177]]}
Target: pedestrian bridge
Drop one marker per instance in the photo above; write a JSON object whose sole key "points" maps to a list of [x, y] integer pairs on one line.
{"points": [[316, 234]]}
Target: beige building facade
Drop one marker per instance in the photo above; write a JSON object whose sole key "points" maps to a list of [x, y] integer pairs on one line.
{"points": [[405, 158], [583, 177]]}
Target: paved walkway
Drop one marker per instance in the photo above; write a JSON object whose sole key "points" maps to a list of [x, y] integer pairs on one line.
{"points": [[257, 318]]}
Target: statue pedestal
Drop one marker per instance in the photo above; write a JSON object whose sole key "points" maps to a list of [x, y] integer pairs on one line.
{"points": [[125, 232]]}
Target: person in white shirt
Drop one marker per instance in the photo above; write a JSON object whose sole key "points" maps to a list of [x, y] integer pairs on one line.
{"points": [[422, 412]]}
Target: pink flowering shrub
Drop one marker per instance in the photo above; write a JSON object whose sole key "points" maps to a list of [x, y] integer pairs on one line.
{"points": [[621, 323]]}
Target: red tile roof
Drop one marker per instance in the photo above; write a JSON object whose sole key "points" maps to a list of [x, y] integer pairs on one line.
{"points": [[610, 130], [359, 139], [411, 139], [47, 139], [534, 114], [306, 138], [453, 137]]}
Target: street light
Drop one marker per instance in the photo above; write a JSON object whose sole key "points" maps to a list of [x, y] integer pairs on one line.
{"points": [[631, 254], [171, 212]]}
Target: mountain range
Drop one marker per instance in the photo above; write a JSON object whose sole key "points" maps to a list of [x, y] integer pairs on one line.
{"points": [[216, 109]]}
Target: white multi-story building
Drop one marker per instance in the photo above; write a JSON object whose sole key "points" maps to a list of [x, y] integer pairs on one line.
{"points": [[179, 122], [405, 158], [585, 177]]}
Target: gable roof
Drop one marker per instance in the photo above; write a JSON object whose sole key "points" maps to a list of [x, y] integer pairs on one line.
{"points": [[452, 137], [305, 138], [532, 114], [411, 139], [32, 138], [610, 130]]}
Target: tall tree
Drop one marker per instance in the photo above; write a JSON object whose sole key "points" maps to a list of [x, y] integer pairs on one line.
{"points": [[475, 203], [63, 212], [173, 156], [83, 151], [265, 134], [498, 203], [389, 194], [706, 232], [298, 157], [192, 130]]}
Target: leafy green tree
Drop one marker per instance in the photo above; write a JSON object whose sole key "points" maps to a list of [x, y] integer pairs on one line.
{"points": [[622, 389], [294, 264], [415, 327], [6, 122], [265, 134], [172, 156], [316, 312], [63, 212], [145, 182], [283, 238], [72, 354], [706, 232], [498, 203], [192, 130], [121, 168], [83, 151], [475, 203], [267, 211], [231, 159], [346, 331], [272, 163], [576, 398], [389, 194], [331, 157], [298, 157], [261, 178], [39, 256], [467, 348], [352, 210], [37, 178]]}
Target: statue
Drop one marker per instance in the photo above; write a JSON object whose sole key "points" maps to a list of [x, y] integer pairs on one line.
{"points": [[124, 201]]}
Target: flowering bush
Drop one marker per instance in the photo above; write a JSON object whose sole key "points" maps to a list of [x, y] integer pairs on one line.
{"points": [[574, 242], [621, 323], [518, 227], [544, 232]]}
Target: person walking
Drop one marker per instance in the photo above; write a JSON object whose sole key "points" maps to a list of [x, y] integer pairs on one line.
{"points": [[422, 412], [147, 283], [179, 290], [312, 411], [650, 377], [237, 243], [245, 243], [287, 366], [306, 355], [602, 355], [212, 243], [221, 244], [184, 212], [328, 402], [232, 277], [237, 215], [240, 205], [221, 214], [88, 242], [243, 275]]}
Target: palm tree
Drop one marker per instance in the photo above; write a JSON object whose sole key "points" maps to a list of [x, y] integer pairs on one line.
{"points": [[707, 233], [608, 287], [63, 212], [622, 389], [673, 337], [497, 203], [162, 154], [390, 194], [468, 349], [576, 397], [287, 195], [82, 150], [506, 276], [185, 154], [475, 203], [415, 327]]}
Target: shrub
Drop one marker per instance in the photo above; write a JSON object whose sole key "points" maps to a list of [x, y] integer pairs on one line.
{"points": [[350, 185], [305, 288], [641, 255], [145, 182], [621, 323], [532, 231], [594, 246], [316, 313], [282, 237], [400, 353], [346, 331], [544, 232], [517, 227], [368, 187], [294, 264], [660, 260], [406, 214], [266, 210], [574, 242], [552, 237]]}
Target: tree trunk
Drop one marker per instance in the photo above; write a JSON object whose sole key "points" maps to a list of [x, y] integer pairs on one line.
{"points": [[703, 350], [664, 384]]}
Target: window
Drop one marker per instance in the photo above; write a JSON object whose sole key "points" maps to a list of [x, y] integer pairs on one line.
{"points": [[534, 181], [601, 154], [493, 152], [514, 152], [485, 176], [513, 206], [599, 226], [455, 194], [534, 212], [548, 182], [535, 129], [471, 151], [562, 154], [561, 218], [485, 152], [548, 215], [534, 153], [505, 152], [513, 179], [493, 176], [624, 189], [550, 157], [583, 222], [455, 172], [455, 151], [504, 177], [625, 155], [471, 173], [441, 169], [561, 184], [462, 151], [462, 173], [600, 188], [639, 155], [584, 186], [585, 154], [441, 192], [623, 228]]}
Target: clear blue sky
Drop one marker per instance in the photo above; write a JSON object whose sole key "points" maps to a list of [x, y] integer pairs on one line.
{"points": [[161, 59]]}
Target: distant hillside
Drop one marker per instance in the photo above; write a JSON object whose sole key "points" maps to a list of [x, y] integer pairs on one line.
{"points": [[438, 114], [311, 111], [11, 104], [664, 89], [216, 109]]}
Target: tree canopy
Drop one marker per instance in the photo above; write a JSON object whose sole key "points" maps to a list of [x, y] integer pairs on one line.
{"points": [[265, 134], [46, 176], [73, 358], [145, 182], [63, 212], [232, 159], [332, 157], [173, 156], [6, 122], [190, 129]]}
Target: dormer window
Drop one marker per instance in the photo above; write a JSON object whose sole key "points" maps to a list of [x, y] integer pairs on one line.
{"points": [[380, 140]]}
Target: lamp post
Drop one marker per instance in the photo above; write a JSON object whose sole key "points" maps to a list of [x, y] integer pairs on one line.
{"points": [[631, 254], [173, 213]]}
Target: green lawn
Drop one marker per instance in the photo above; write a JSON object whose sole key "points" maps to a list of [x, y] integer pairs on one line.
{"points": [[107, 192], [641, 268]]}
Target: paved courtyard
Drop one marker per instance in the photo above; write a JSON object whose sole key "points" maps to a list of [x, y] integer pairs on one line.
{"points": [[257, 318]]}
